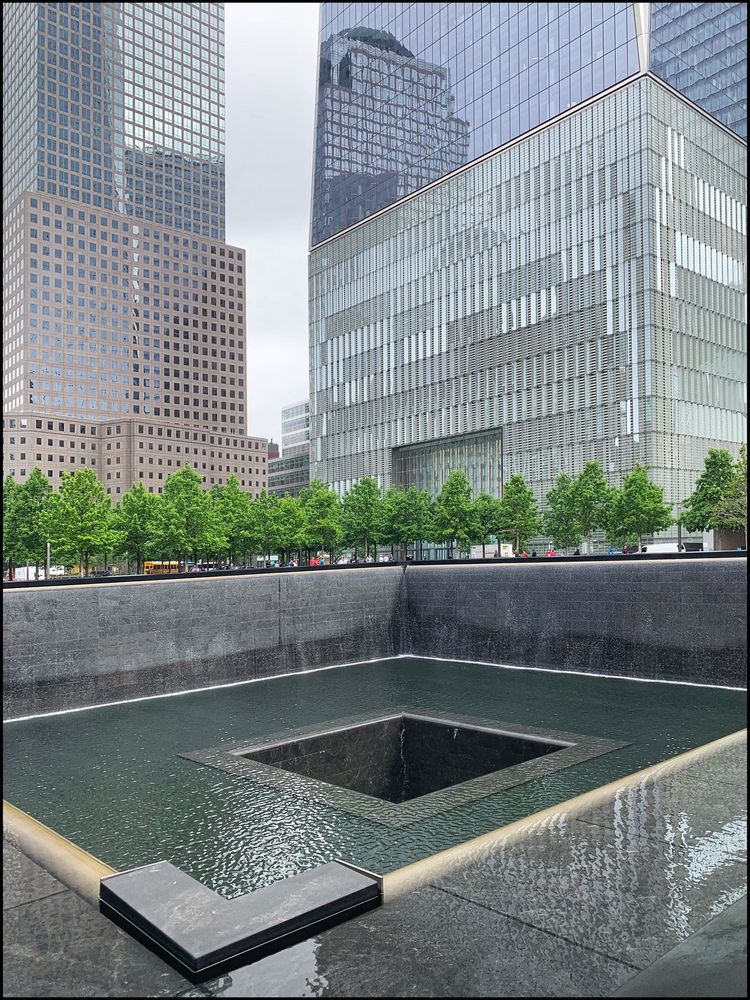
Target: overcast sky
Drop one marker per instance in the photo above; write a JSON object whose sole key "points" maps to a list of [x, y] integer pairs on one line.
{"points": [[271, 66]]}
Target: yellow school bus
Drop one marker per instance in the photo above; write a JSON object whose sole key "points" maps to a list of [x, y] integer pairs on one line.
{"points": [[159, 567]]}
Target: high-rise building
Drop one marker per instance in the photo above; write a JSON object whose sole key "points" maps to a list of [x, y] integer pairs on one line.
{"points": [[290, 472], [124, 309], [574, 287]]}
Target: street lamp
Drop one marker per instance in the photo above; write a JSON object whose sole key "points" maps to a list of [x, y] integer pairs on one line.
{"points": [[678, 510]]}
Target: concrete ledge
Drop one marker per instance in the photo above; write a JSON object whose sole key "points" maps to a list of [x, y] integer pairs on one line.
{"points": [[202, 934]]}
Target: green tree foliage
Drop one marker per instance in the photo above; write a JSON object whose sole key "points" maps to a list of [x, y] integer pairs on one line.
{"points": [[591, 499], [636, 509], [265, 524], [77, 519], [322, 518], [562, 519], [731, 510], [13, 554], [25, 515], [291, 525], [487, 518], [407, 517], [231, 508], [186, 523], [453, 513], [136, 521], [701, 509], [362, 515], [519, 515]]}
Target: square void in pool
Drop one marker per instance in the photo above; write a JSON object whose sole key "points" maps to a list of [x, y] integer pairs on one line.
{"points": [[401, 768], [403, 757]]}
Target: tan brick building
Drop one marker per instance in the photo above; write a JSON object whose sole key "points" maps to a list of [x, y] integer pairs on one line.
{"points": [[123, 308]]}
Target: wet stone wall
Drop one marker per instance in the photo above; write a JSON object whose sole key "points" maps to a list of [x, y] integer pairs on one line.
{"points": [[680, 619], [70, 646], [65, 647]]}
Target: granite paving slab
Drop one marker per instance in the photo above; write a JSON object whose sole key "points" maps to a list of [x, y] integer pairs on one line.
{"points": [[631, 900], [680, 809], [191, 925], [23, 881], [60, 946], [429, 943], [711, 963], [726, 766]]}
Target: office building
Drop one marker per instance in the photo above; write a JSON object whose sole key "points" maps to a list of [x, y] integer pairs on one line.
{"points": [[290, 472], [574, 288], [124, 309]]}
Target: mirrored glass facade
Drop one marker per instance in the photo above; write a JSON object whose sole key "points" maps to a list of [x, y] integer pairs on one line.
{"points": [[583, 290], [409, 92], [700, 49], [119, 106]]}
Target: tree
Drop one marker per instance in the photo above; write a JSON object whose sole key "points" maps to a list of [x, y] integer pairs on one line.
{"points": [[322, 518], [591, 498], [186, 522], [701, 507], [362, 514], [266, 525], [136, 521], [519, 516], [26, 519], [13, 553], [232, 509], [562, 519], [291, 520], [453, 513], [77, 519], [407, 516], [487, 518], [731, 509], [637, 509]]}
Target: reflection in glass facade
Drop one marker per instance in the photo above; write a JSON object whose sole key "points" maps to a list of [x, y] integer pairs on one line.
{"points": [[583, 290], [289, 475], [700, 49], [119, 106], [409, 92]]}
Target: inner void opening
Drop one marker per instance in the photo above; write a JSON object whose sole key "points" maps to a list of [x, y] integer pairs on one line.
{"points": [[404, 756]]}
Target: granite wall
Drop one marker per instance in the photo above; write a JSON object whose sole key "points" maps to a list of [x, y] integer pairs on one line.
{"points": [[668, 619], [680, 619], [65, 647]]}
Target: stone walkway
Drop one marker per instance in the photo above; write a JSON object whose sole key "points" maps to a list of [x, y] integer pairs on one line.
{"points": [[642, 896]]}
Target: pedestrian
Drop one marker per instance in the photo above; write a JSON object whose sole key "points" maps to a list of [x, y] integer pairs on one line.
{"points": [[577, 552], [533, 553]]}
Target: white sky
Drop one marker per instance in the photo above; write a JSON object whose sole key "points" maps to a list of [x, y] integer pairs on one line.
{"points": [[271, 68]]}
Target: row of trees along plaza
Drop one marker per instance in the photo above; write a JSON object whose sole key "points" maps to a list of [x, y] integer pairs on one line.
{"points": [[225, 524]]}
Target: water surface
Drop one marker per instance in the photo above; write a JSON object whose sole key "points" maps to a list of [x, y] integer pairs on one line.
{"points": [[112, 781]]}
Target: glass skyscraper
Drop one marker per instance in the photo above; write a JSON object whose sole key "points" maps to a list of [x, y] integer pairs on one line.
{"points": [[290, 472], [555, 271], [124, 309]]}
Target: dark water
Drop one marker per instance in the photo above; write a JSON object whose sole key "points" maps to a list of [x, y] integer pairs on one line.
{"points": [[111, 780]]}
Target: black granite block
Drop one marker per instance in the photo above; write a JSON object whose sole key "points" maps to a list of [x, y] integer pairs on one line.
{"points": [[201, 933]]}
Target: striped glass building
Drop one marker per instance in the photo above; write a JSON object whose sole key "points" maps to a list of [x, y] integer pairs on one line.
{"points": [[528, 241]]}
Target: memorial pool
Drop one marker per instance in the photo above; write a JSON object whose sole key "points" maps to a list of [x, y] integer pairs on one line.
{"points": [[115, 781]]}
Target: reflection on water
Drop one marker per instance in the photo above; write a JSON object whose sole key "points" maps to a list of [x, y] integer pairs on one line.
{"points": [[112, 781]]}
